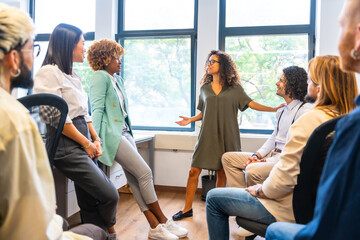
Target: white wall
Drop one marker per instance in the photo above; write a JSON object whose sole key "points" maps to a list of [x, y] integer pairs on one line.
{"points": [[327, 26], [174, 150], [106, 19]]}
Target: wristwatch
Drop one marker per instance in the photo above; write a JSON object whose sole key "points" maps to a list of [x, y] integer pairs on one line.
{"points": [[257, 190], [255, 155]]}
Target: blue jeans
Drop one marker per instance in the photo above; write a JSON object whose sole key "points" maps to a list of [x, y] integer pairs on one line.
{"points": [[224, 202], [283, 231]]}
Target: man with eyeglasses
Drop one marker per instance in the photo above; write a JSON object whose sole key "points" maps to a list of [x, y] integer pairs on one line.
{"points": [[27, 191]]}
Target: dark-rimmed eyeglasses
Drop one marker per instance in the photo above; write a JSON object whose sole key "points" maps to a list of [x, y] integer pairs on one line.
{"points": [[211, 62], [36, 50]]}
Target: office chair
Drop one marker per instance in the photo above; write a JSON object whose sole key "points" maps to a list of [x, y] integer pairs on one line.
{"points": [[311, 165], [49, 111]]}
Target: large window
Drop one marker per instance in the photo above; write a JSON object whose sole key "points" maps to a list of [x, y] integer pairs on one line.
{"points": [[263, 37], [46, 17], [158, 67]]}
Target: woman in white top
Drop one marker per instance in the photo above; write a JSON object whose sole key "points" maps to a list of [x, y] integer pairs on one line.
{"points": [[109, 108], [79, 144]]}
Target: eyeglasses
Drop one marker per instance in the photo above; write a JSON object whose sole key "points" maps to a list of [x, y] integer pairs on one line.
{"points": [[36, 50], [211, 62]]}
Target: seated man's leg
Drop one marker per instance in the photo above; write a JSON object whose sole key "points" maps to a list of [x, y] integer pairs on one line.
{"points": [[233, 163], [283, 231], [224, 202], [257, 173]]}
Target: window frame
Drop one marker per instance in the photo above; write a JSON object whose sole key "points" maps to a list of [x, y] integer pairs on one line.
{"points": [[45, 37], [123, 35], [267, 30]]}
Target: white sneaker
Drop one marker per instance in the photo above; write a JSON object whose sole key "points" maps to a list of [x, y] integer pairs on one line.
{"points": [[172, 227], [161, 233], [242, 232]]}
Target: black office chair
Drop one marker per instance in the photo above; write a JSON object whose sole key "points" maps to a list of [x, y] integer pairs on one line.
{"points": [[311, 165], [49, 111]]}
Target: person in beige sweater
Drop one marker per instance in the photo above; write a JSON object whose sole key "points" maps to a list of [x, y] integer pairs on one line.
{"points": [[271, 201], [27, 190]]}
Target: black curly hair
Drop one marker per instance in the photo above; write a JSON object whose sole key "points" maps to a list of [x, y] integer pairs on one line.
{"points": [[296, 82], [228, 72]]}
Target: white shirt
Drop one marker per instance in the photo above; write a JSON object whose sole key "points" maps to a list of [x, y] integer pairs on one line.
{"points": [[284, 118], [27, 191], [50, 79], [120, 95]]}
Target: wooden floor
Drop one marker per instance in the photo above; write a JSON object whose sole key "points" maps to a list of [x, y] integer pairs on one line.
{"points": [[132, 225]]}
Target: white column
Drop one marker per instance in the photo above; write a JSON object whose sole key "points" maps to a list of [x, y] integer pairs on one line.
{"points": [[106, 17], [328, 28], [208, 38]]}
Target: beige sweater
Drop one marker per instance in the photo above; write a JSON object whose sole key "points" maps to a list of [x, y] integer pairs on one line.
{"points": [[279, 186]]}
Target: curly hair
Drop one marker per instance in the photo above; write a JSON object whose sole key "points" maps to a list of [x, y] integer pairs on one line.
{"points": [[101, 52], [228, 71], [296, 82]]}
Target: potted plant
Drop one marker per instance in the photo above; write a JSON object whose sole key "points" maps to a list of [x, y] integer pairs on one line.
{"points": [[208, 182]]}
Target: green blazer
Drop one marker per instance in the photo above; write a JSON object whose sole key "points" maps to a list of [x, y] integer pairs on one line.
{"points": [[107, 116]]}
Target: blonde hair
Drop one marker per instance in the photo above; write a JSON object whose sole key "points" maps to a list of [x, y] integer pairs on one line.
{"points": [[338, 88], [15, 29], [101, 52]]}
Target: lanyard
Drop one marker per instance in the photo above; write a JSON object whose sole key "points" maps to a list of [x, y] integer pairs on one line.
{"points": [[277, 129]]}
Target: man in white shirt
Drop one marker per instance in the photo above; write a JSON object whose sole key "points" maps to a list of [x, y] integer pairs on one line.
{"points": [[292, 87], [27, 193]]}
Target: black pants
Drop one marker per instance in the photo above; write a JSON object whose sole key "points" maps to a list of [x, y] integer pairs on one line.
{"points": [[96, 195]]}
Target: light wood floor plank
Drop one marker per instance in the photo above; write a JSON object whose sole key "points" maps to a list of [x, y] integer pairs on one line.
{"points": [[132, 225]]}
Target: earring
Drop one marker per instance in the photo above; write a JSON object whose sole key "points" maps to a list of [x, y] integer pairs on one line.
{"points": [[355, 54], [15, 74]]}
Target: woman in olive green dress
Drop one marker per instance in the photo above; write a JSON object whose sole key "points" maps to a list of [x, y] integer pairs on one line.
{"points": [[221, 97]]}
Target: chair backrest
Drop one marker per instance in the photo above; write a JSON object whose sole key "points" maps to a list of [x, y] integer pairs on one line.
{"points": [[311, 166], [49, 111]]}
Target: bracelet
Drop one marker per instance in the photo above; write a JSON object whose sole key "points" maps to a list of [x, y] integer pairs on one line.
{"points": [[98, 139], [87, 146]]}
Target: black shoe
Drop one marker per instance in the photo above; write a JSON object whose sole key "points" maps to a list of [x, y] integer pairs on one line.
{"points": [[180, 215]]}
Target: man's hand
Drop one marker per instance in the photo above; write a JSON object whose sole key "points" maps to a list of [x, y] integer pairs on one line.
{"points": [[253, 159], [252, 191]]}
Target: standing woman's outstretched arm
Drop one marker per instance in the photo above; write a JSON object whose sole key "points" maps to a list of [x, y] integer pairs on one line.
{"points": [[187, 120], [259, 107]]}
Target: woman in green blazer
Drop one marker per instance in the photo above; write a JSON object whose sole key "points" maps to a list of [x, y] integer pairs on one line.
{"points": [[111, 121]]}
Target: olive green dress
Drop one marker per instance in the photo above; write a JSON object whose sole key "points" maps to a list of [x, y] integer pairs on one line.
{"points": [[219, 131]]}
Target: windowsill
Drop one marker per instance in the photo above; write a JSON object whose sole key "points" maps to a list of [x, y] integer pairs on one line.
{"points": [[172, 140]]}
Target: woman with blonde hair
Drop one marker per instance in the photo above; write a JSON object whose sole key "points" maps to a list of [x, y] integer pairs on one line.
{"points": [[334, 91], [336, 96], [111, 119], [337, 195]]}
